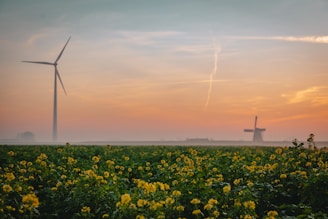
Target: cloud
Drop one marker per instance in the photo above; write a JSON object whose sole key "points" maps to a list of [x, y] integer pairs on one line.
{"points": [[304, 39], [316, 95], [45, 33], [290, 118], [32, 39], [195, 49], [146, 38]]}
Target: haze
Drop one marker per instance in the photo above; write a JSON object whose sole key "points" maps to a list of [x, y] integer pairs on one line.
{"points": [[148, 70]]}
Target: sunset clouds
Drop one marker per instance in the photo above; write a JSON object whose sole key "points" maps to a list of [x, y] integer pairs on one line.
{"points": [[313, 95], [303, 39]]}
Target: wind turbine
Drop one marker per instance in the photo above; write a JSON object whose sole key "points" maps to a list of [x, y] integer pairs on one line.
{"points": [[56, 75], [257, 136]]}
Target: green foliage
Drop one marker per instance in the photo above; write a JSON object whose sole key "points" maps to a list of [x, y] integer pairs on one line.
{"points": [[163, 182]]}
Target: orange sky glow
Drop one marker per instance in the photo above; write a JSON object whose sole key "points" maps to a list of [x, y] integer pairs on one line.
{"points": [[147, 74]]}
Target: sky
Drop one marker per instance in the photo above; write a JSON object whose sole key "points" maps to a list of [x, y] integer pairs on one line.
{"points": [[165, 70]]}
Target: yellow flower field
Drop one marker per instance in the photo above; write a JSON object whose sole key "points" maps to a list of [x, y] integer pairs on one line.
{"points": [[163, 182]]}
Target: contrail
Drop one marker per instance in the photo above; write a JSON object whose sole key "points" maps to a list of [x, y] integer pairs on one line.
{"points": [[217, 50], [304, 39]]}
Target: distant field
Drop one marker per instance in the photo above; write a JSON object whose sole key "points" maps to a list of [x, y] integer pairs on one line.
{"points": [[163, 182]]}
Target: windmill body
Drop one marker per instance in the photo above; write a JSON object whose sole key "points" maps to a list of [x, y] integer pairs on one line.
{"points": [[257, 132], [56, 75]]}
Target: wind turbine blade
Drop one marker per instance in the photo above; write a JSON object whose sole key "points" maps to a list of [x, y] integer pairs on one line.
{"points": [[60, 54], [61, 82], [44, 63]]}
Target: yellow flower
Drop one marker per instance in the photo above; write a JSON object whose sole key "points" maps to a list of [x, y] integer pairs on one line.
{"points": [[31, 201], [272, 214], [169, 201], [216, 213], [195, 201], [106, 174], [155, 205], [23, 162], [18, 189], [283, 176], [10, 176], [249, 204], [236, 181], [250, 183], [197, 211], [85, 209], [95, 159], [213, 201], [71, 160], [179, 208], [7, 188], [208, 206], [42, 156], [105, 216], [247, 216], [142, 202], [176, 193], [237, 203], [11, 153], [302, 155], [125, 199], [110, 162], [227, 189], [278, 151], [140, 217], [10, 208]]}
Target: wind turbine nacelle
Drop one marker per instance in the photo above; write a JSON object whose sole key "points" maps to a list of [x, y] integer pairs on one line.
{"points": [[248, 130]]}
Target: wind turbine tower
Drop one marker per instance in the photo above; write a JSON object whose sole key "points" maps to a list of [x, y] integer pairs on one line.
{"points": [[257, 136], [56, 75]]}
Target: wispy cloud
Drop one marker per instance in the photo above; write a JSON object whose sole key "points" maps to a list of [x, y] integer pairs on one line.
{"points": [[317, 95], [304, 39], [147, 37], [32, 39], [44, 33], [290, 118], [194, 49]]}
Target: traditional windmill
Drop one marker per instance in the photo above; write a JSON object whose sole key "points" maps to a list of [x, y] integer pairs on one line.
{"points": [[257, 137]]}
